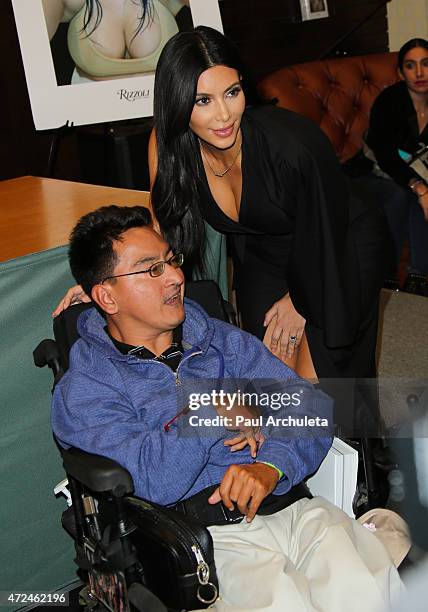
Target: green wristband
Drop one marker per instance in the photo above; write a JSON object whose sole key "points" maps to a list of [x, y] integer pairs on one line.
{"points": [[281, 474]]}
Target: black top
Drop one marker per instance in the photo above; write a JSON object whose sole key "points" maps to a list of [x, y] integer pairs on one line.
{"points": [[261, 211], [393, 126], [294, 216], [170, 356]]}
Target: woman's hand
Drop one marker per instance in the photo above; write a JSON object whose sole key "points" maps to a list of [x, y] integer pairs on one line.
{"points": [[289, 327], [423, 201], [75, 295]]}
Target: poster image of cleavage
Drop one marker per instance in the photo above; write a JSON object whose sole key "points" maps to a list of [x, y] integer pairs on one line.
{"points": [[98, 40], [109, 587], [317, 5]]}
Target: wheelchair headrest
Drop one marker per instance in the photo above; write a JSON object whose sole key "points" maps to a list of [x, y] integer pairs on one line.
{"points": [[65, 330]]}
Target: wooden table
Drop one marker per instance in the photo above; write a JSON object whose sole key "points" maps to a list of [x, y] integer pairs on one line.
{"points": [[36, 215], [39, 213]]}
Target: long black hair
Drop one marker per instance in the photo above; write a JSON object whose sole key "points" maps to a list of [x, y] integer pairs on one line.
{"points": [[175, 193], [413, 43], [94, 8]]}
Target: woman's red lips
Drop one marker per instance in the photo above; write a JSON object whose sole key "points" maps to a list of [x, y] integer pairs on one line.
{"points": [[224, 132]]}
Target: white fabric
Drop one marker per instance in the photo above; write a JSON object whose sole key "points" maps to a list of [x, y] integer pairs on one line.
{"points": [[309, 557], [415, 599]]}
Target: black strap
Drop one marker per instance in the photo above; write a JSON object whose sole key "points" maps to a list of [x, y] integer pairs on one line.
{"points": [[207, 514]]}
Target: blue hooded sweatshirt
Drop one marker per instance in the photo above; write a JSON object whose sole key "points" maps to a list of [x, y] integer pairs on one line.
{"points": [[117, 405]]}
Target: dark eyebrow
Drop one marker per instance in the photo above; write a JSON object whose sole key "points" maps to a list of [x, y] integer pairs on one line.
{"points": [[145, 260], [232, 86], [225, 91], [151, 259]]}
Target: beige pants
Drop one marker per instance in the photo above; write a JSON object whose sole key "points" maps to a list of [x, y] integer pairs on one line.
{"points": [[306, 558]]}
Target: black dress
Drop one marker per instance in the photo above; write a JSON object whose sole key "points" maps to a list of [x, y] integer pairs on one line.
{"points": [[394, 126], [299, 231]]}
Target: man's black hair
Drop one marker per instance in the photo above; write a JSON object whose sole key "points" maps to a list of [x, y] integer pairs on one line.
{"points": [[91, 254]]}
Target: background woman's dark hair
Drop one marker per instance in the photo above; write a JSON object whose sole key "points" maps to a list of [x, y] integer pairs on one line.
{"points": [[94, 8], [175, 193], [413, 43]]}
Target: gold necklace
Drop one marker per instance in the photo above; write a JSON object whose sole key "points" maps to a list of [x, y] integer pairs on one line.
{"points": [[220, 174]]}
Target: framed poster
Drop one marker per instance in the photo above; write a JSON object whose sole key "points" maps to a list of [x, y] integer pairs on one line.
{"points": [[313, 9], [105, 87]]}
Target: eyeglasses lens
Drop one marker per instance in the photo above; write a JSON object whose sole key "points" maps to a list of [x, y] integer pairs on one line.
{"points": [[176, 261], [157, 269]]}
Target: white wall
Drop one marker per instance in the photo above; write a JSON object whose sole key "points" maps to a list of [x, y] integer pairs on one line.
{"points": [[406, 19]]}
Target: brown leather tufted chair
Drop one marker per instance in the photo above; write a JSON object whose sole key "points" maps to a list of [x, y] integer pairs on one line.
{"points": [[335, 93]]}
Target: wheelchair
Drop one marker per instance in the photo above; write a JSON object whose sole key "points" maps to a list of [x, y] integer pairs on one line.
{"points": [[107, 523], [116, 536]]}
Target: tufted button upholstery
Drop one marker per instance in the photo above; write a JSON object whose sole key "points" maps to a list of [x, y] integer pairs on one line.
{"points": [[335, 93]]}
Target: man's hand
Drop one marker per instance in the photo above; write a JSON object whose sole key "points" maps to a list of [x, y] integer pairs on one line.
{"points": [[253, 440], [247, 426], [239, 416], [247, 485]]}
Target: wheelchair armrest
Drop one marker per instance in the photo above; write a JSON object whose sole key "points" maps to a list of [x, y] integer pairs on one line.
{"points": [[100, 474]]}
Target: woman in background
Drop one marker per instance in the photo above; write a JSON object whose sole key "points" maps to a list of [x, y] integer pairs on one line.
{"points": [[398, 124]]}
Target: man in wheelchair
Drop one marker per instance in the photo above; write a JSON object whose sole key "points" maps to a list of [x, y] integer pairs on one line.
{"points": [[145, 358]]}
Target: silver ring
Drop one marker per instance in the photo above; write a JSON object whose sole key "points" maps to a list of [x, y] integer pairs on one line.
{"points": [[292, 339]]}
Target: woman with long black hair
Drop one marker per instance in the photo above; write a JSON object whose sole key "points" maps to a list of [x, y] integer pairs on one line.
{"points": [[269, 179]]}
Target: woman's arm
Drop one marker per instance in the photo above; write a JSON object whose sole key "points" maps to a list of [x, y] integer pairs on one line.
{"points": [[388, 113], [153, 168], [153, 157], [420, 189], [59, 11], [175, 6], [384, 121]]}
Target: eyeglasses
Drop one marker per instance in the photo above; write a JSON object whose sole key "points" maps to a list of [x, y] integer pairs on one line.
{"points": [[156, 269]]}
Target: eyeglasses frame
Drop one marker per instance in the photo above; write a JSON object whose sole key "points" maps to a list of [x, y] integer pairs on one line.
{"points": [[149, 270]]}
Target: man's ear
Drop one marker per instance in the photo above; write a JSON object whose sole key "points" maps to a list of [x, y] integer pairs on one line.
{"points": [[102, 295]]}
